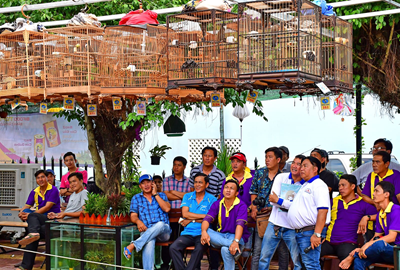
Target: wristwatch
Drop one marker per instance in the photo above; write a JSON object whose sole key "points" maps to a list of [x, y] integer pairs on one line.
{"points": [[156, 194], [317, 234], [236, 240], [193, 221], [369, 217]]}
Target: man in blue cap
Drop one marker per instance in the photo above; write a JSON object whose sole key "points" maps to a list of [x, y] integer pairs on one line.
{"points": [[149, 210], [51, 178]]}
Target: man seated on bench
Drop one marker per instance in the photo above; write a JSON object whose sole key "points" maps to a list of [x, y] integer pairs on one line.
{"points": [[195, 206], [231, 215], [149, 210], [380, 248], [46, 199], [348, 209]]}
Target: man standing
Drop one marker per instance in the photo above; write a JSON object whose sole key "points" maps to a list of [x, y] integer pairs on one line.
{"points": [[278, 231], [261, 187], [231, 214], [70, 162], [348, 210], [195, 206], [309, 212], [381, 172], [364, 170], [176, 185], [216, 176], [149, 210], [283, 166], [380, 248], [326, 175]]}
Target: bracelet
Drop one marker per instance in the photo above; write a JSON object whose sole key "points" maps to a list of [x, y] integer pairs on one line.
{"points": [[369, 217]]}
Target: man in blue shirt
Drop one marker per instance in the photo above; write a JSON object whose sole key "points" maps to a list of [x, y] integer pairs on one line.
{"points": [[195, 206], [149, 210]]}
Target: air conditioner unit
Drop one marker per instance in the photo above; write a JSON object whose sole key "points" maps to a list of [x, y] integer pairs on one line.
{"points": [[16, 182]]}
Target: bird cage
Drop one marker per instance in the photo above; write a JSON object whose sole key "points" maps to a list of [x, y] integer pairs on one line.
{"points": [[23, 56], [75, 65], [134, 58], [280, 43], [337, 48], [202, 50]]}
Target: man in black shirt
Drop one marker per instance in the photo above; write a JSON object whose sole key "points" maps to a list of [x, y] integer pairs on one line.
{"points": [[326, 175]]}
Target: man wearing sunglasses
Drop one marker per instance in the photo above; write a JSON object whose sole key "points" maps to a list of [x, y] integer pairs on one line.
{"points": [[364, 170]]}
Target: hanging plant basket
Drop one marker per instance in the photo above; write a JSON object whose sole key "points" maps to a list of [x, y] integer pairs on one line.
{"points": [[3, 114], [155, 160]]}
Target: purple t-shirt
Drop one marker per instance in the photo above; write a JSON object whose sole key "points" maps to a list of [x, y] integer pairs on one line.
{"points": [[393, 177], [345, 219], [245, 184], [51, 195], [392, 222], [227, 222]]}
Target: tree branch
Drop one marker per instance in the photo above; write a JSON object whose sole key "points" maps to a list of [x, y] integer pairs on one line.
{"points": [[388, 46], [369, 64]]}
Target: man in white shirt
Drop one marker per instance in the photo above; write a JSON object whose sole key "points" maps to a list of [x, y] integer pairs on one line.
{"points": [[278, 228], [309, 213], [364, 170]]}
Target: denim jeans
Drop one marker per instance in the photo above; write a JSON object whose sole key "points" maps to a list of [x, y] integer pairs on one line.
{"points": [[271, 241], [147, 241], [257, 250], [379, 252], [310, 259], [223, 241]]}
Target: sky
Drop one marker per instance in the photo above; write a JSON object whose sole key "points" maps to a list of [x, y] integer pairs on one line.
{"points": [[299, 125]]}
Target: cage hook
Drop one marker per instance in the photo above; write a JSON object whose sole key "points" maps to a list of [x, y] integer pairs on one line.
{"points": [[85, 9], [23, 14], [140, 6]]}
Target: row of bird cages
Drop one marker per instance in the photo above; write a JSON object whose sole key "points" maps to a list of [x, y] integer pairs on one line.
{"points": [[280, 39], [134, 56], [202, 45], [337, 69]]}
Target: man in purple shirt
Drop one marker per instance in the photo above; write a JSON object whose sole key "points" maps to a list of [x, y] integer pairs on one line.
{"points": [[231, 214], [348, 209], [380, 248], [47, 199]]}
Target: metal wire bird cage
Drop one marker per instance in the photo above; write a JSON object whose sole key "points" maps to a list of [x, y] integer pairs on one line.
{"points": [[202, 50], [23, 58], [337, 48], [74, 67], [134, 59], [280, 43]]}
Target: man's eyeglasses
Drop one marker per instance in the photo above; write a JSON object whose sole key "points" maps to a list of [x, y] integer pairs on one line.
{"points": [[378, 148]]}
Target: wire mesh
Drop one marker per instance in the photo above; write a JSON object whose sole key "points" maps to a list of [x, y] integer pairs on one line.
{"points": [[134, 56], [202, 45], [337, 69], [280, 39]]}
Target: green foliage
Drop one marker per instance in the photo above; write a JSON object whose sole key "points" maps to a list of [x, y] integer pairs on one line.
{"points": [[223, 163], [90, 204], [130, 192], [338, 174], [95, 255], [159, 151], [76, 114], [120, 204], [130, 166], [101, 205]]}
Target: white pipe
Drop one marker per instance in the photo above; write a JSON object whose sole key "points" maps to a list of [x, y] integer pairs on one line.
{"points": [[352, 3], [50, 5], [371, 14]]}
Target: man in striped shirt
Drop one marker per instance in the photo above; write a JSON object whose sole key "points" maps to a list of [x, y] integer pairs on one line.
{"points": [[216, 176]]}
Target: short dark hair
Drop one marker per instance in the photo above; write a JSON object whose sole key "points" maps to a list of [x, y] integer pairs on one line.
{"points": [[351, 179], [301, 157], [387, 187], [388, 144], [206, 178], [157, 177], [276, 150], [77, 175], [69, 154], [233, 181], [181, 159], [322, 153], [385, 156], [39, 172], [314, 161], [209, 148]]}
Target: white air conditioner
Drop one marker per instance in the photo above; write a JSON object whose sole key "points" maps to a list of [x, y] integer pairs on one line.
{"points": [[16, 182]]}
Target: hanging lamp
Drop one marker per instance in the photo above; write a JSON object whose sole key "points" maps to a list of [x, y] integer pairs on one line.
{"points": [[174, 126], [241, 113]]}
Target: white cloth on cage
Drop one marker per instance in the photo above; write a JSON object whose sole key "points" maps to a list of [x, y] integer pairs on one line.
{"points": [[84, 19]]}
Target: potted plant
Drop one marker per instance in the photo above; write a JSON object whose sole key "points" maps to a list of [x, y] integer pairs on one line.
{"points": [[119, 207], [157, 153]]}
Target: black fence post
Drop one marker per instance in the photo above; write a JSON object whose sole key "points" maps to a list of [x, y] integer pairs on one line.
{"points": [[52, 163], [28, 160], [255, 163], [86, 166], [77, 164], [94, 174], [163, 174], [20, 160], [12, 161], [44, 163], [36, 160], [60, 167]]}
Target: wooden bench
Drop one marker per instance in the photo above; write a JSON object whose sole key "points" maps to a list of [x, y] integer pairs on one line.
{"points": [[15, 224]]}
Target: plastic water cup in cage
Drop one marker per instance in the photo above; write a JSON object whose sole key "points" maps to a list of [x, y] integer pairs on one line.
{"points": [[131, 68], [174, 42], [193, 45], [38, 73], [230, 39], [254, 34]]}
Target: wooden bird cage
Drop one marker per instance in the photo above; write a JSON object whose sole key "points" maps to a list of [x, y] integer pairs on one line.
{"points": [[23, 57], [134, 59], [202, 50], [337, 48], [74, 67], [280, 43]]}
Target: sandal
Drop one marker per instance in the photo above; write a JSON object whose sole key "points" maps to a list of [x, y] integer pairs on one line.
{"points": [[126, 253], [30, 238]]}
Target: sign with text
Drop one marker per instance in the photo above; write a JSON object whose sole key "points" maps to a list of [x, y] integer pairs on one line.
{"points": [[69, 104], [215, 100], [252, 96], [141, 107], [43, 108], [117, 104], [325, 103], [92, 109]]}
